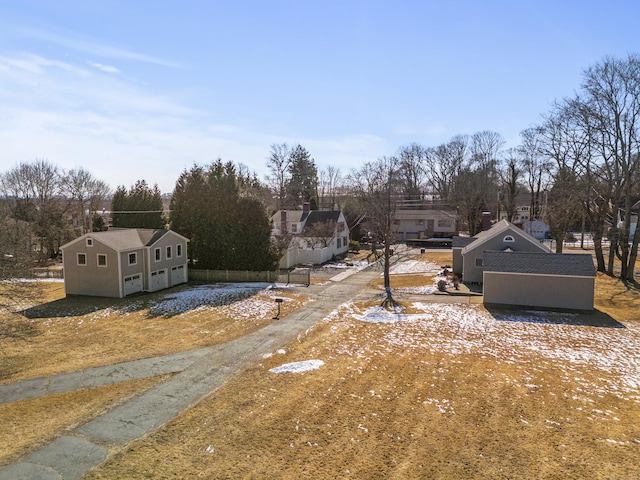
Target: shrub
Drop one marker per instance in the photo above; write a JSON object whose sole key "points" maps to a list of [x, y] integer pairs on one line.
{"points": [[354, 246]]}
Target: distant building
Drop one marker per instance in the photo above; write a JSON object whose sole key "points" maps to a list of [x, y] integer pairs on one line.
{"points": [[419, 223], [312, 236]]}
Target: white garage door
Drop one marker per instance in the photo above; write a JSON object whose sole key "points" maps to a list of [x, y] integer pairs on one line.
{"points": [[178, 275], [159, 280], [132, 284]]}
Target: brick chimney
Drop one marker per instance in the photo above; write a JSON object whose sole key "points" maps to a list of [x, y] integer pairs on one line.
{"points": [[306, 206], [486, 221]]}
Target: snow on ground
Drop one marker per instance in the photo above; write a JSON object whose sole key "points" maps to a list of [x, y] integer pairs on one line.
{"points": [[297, 367], [414, 266], [531, 340], [350, 269], [204, 296]]}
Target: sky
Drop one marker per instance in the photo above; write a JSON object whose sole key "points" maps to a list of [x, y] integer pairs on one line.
{"points": [[133, 90]]}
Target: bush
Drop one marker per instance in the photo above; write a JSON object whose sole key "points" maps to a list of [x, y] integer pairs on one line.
{"points": [[442, 285], [354, 246]]}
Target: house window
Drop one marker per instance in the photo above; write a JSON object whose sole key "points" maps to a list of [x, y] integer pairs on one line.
{"points": [[102, 260], [89, 242], [419, 222], [339, 242], [508, 239], [445, 223], [82, 259], [157, 254], [345, 241], [179, 250], [169, 252], [341, 226], [478, 261], [133, 258]]}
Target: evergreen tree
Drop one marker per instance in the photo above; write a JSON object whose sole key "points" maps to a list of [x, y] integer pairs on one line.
{"points": [[140, 198], [228, 226], [302, 186]]}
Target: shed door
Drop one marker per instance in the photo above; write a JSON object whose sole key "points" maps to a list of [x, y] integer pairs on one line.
{"points": [[159, 280], [132, 284], [178, 275]]}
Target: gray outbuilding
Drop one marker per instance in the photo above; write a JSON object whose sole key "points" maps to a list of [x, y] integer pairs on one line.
{"points": [[544, 280], [120, 262]]}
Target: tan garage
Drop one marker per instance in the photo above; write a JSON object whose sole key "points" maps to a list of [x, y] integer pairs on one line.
{"points": [[544, 280]]}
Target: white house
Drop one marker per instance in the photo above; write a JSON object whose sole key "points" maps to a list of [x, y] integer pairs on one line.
{"points": [[312, 236]]}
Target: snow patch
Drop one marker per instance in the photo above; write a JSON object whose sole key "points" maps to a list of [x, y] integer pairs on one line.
{"points": [[297, 367]]}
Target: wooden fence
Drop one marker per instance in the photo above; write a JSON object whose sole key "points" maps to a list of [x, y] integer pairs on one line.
{"points": [[212, 276], [302, 276]]}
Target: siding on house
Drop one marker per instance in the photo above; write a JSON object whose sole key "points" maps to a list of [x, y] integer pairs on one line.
{"points": [[90, 279], [502, 236], [458, 243], [115, 279], [415, 223], [539, 279]]}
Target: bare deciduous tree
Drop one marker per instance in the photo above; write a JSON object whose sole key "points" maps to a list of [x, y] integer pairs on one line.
{"points": [[329, 180], [320, 234], [612, 100], [377, 186], [278, 164], [447, 161], [85, 194]]}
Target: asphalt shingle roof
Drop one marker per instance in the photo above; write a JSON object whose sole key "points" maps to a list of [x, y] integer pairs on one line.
{"points": [[126, 238], [570, 264], [461, 242], [318, 216]]}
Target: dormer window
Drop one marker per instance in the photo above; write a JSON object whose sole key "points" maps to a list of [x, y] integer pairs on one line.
{"points": [[508, 239]]}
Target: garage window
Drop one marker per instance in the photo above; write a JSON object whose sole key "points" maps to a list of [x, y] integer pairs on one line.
{"points": [[169, 252], [478, 261], [82, 259], [133, 258], [102, 260], [508, 239], [157, 253], [179, 250]]}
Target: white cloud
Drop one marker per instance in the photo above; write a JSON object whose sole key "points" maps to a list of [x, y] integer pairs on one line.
{"points": [[104, 68], [94, 48], [122, 131]]}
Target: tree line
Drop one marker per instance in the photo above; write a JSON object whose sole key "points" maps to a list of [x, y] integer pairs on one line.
{"points": [[578, 167]]}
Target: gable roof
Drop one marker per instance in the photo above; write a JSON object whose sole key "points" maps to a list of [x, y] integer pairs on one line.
{"points": [[461, 242], [319, 216], [126, 238], [500, 228], [564, 264]]}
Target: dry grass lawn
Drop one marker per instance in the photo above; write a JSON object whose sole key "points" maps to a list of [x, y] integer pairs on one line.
{"points": [[444, 391], [451, 392], [29, 424], [78, 333]]}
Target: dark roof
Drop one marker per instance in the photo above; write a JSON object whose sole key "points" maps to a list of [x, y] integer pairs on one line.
{"points": [[570, 264], [461, 242], [318, 216]]}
